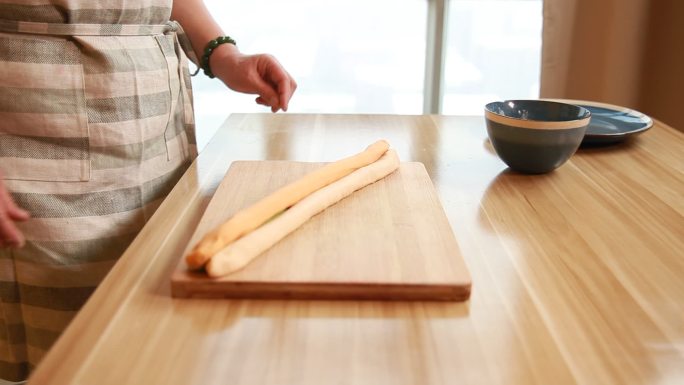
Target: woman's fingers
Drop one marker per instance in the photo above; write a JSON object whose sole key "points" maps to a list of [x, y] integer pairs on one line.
{"points": [[286, 88], [283, 84], [263, 102], [9, 234], [9, 213], [18, 214], [8, 206], [280, 81]]}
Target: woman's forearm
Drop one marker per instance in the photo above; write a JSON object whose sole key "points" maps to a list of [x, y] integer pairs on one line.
{"points": [[198, 24]]}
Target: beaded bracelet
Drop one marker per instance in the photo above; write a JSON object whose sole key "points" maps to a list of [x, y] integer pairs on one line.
{"points": [[211, 46]]}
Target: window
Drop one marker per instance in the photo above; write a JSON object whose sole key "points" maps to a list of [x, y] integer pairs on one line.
{"points": [[493, 52], [361, 56]]}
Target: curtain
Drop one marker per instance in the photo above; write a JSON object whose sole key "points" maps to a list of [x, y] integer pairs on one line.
{"points": [[624, 52]]}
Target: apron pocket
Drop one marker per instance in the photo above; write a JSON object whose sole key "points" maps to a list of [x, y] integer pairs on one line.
{"points": [[43, 116]]}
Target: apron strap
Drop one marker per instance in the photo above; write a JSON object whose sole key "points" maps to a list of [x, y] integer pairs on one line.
{"points": [[185, 44], [65, 29]]}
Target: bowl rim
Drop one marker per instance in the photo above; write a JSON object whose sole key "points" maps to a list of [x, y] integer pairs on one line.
{"points": [[537, 124]]}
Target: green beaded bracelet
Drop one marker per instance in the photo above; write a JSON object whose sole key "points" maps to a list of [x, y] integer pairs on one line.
{"points": [[211, 46]]}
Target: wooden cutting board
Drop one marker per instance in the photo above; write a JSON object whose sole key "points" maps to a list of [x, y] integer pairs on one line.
{"points": [[388, 241]]}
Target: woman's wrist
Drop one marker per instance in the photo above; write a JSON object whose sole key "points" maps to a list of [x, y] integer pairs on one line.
{"points": [[222, 57], [221, 46]]}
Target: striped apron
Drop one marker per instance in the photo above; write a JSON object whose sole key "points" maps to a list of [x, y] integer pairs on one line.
{"points": [[96, 127]]}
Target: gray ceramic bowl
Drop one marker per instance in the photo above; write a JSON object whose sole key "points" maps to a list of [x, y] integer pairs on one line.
{"points": [[535, 136]]}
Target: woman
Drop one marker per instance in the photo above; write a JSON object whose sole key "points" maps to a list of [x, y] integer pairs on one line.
{"points": [[96, 127]]}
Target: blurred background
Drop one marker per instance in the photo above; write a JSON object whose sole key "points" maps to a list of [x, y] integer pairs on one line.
{"points": [[382, 56]]}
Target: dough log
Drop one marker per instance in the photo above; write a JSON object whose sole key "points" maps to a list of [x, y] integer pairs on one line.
{"points": [[241, 252], [254, 216]]}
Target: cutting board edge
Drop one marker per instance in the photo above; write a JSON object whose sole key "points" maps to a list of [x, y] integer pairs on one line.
{"points": [[323, 291]]}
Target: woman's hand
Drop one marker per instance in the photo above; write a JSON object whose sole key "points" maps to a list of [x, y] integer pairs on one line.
{"points": [[10, 236], [254, 74]]}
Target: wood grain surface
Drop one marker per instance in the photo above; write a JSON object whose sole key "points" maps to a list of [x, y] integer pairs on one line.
{"points": [[390, 240], [578, 274]]}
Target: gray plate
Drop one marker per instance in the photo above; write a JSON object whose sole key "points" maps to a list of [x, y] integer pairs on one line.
{"points": [[611, 124]]}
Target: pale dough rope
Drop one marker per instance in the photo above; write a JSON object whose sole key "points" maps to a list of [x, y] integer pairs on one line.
{"points": [[241, 252], [257, 214]]}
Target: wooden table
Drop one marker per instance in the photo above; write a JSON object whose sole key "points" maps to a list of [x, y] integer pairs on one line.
{"points": [[578, 275]]}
